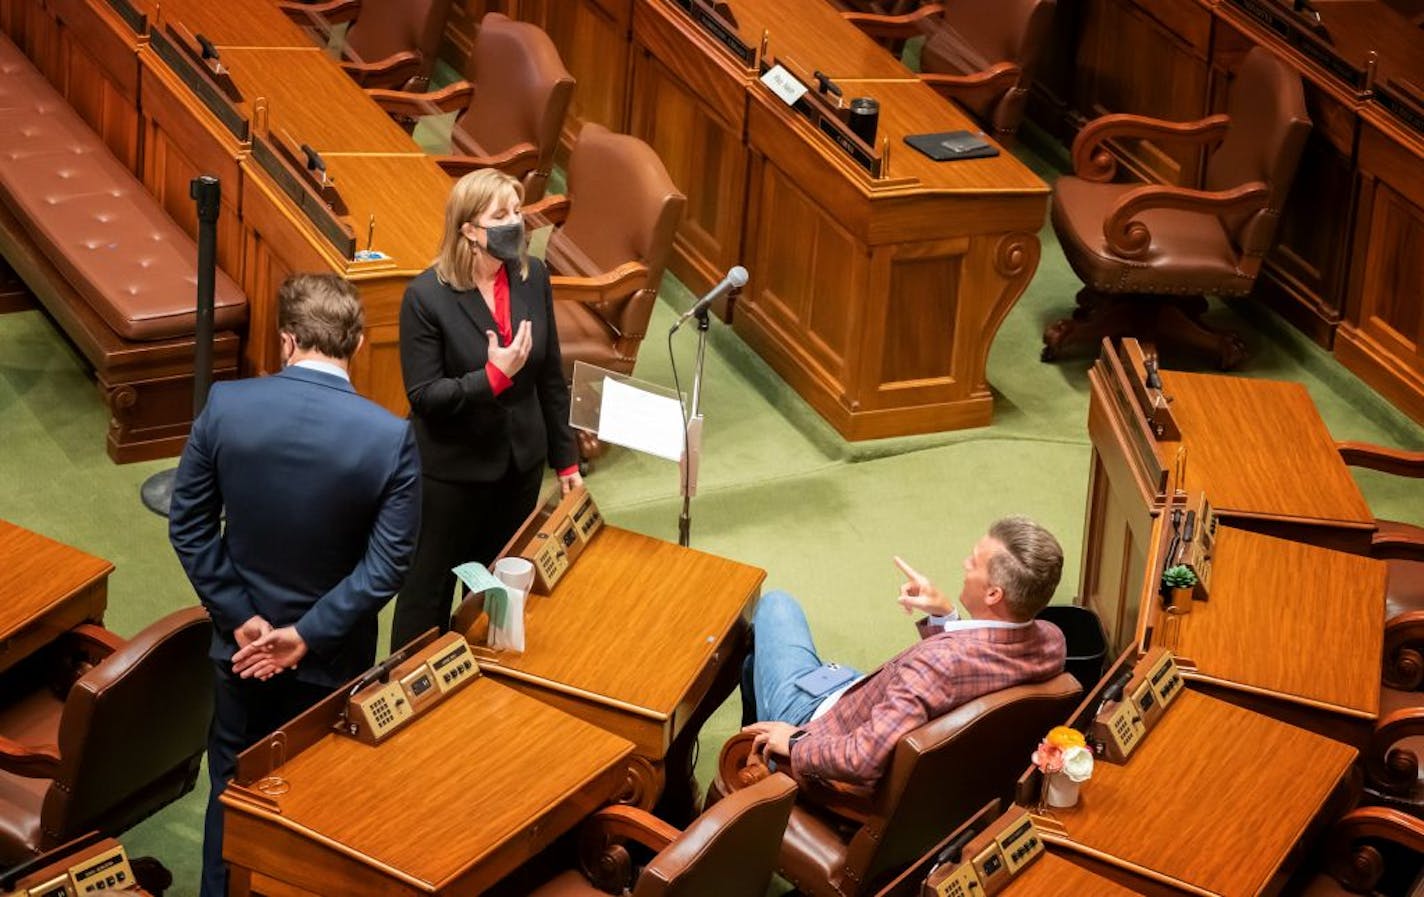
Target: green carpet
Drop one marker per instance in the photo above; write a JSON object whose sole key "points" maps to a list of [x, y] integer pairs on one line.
{"points": [[779, 489]]}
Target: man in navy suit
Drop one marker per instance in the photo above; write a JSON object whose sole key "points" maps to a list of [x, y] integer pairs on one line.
{"points": [[321, 490]]}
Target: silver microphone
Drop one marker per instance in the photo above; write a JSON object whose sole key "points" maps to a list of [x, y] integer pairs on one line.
{"points": [[735, 280]]}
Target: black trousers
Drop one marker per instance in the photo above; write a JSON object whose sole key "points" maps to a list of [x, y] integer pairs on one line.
{"points": [[459, 522], [244, 712]]}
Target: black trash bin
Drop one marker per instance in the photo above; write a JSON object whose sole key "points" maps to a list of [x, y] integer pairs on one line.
{"points": [[1087, 642]]}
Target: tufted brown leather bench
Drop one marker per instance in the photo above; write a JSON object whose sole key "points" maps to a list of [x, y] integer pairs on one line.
{"points": [[113, 270]]}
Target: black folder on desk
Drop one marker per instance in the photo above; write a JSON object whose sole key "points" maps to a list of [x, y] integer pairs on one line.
{"points": [[948, 145]]}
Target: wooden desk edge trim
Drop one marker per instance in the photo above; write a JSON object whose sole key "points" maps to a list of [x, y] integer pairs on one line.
{"points": [[1066, 842], [1228, 513], [496, 669], [1195, 675], [73, 593], [236, 802]]}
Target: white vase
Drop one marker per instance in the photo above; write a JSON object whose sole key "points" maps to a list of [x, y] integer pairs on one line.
{"points": [[1062, 791]]}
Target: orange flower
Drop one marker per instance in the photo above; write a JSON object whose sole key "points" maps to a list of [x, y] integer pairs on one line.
{"points": [[1063, 738]]}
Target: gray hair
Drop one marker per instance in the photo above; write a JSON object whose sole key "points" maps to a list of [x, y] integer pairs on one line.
{"points": [[1028, 567]]}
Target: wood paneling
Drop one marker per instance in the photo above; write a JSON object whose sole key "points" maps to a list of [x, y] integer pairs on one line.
{"points": [[1132, 60]]}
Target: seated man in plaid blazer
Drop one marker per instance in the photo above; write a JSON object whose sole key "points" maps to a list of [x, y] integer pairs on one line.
{"points": [[836, 725]]}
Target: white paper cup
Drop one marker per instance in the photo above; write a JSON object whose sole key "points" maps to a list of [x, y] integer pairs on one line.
{"points": [[515, 572]]}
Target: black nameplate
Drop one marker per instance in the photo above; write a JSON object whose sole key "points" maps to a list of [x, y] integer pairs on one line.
{"points": [[1299, 36], [718, 30], [865, 160], [316, 211], [135, 19], [184, 68], [1398, 104]]}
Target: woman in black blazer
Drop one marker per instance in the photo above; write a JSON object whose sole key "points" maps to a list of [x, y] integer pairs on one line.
{"points": [[480, 357]]}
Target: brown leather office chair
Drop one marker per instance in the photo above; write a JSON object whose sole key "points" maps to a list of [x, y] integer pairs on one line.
{"points": [[1366, 848], [511, 116], [1392, 760], [978, 53], [1149, 255], [844, 845], [125, 738], [389, 43], [613, 237], [729, 851]]}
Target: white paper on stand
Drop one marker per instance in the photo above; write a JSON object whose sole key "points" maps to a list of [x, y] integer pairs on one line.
{"points": [[639, 420]]}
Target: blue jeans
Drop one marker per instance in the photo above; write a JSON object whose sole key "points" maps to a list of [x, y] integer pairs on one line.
{"points": [[782, 652]]}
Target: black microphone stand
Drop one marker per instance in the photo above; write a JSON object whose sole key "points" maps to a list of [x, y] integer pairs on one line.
{"points": [[157, 491], [694, 424]]}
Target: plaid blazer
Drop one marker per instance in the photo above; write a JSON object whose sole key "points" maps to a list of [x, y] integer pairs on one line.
{"points": [[852, 742]]}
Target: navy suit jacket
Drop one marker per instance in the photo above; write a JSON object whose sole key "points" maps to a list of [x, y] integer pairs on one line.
{"points": [[321, 490]]}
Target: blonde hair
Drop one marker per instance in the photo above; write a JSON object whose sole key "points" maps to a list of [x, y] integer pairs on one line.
{"points": [[470, 198], [1028, 568]]}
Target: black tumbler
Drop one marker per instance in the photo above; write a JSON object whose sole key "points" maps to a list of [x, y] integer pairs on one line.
{"points": [[865, 118]]}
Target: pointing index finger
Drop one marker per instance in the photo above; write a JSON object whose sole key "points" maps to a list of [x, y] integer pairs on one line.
{"points": [[910, 572]]}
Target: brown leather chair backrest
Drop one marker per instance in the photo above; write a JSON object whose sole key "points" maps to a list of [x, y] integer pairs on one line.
{"points": [[522, 90], [982, 33], [944, 771], [132, 729], [386, 27], [623, 205], [729, 851], [1269, 127]]}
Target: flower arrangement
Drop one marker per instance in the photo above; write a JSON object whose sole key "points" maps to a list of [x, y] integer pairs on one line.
{"points": [[1066, 761]]}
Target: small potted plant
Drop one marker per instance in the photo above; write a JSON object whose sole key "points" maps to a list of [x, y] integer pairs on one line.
{"points": [[1178, 585]]}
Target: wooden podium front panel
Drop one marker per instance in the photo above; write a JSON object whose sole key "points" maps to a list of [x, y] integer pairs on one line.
{"points": [[182, 140], [593, 39], [1382, 338]]}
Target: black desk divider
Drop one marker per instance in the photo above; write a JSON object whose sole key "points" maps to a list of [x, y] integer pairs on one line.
{"points": [[132, 17], [337, 232], [219, 101], [1404, 101], [717, 28], [825, 118]]}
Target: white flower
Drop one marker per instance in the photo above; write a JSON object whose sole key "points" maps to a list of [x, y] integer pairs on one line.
{"points": [[1078, 764]]}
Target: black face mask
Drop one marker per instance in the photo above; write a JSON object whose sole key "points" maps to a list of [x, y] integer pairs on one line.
{"points": [[505, 241]]}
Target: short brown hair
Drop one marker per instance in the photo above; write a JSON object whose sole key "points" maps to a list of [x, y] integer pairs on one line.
{"points": [[469, 198], [1028, 567], [322, 312]]}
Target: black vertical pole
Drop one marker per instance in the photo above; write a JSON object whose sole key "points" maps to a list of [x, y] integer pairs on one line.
{"points": [[157, 491], [206, 191]]}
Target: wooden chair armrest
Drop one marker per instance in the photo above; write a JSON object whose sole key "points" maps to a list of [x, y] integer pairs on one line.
{"points": [[624, 823], [552, 209], [1386, 460], [620, 283], [516, 161], [393, 72], [95, 639], [1130, 238], [994, 80], [332, 12], [1093, 162], [1404, 651], [1388, 768], [738, 768], [40, 761], [1397, 547], [900, 27], [453, 98], [1357, 864]]}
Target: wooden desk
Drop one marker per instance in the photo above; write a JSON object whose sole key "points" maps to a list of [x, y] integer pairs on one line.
{"points": [[446, 806], [232, 23], [1213, 803], [46, 588], [1262, 452], [1291, 630], [643, 638], [1257, 447], [315, 102]]}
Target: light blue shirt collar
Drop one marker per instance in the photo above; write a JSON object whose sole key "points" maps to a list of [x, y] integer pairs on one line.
{"points": [[324, 367]]}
